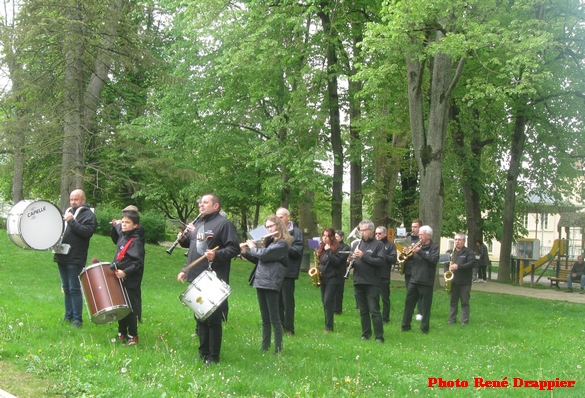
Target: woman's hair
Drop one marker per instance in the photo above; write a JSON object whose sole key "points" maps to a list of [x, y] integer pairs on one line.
{"points": [[281, 231], [332, 241]]}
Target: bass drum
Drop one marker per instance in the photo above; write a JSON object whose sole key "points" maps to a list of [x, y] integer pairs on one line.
{"points": [[105, 295], [36, 225]]}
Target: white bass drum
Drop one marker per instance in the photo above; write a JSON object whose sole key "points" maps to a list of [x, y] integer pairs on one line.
{"points": [[36, 225]]}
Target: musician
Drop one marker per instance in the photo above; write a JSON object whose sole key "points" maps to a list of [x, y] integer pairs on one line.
{"points": [[128, 264], [80, 225], [390, 260], [412, 239], [268, 276], [343, 247], [211, 230], [461, 264], [295, 257], [425, 259], [368, 262], [332, 266], [115, 233]]}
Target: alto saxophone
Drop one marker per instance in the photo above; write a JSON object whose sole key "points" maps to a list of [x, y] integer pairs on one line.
{"points": [[315, 272], [449, 275], [407, 253]]}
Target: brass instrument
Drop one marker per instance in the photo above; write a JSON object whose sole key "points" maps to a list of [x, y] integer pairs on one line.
{"points": [[315, 272], [449, 275], [406, 254]]}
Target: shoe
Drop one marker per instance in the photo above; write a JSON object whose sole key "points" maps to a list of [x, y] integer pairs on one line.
{"points": [[380, 341], [450, 323], [581, 291], [289, 333], [364, 338], [68, 320], [418, 317], [475, 280], [338, 312], [132, 340], [121, 337], [569, 291], [209, 362], [327, 331], [76, 323]]}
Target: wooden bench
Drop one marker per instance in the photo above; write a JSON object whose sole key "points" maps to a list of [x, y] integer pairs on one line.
{"points": [[554, 280]]}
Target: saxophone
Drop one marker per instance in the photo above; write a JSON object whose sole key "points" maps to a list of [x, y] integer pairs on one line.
{"points": [[315, 272], [407, 253], [449, 275]]}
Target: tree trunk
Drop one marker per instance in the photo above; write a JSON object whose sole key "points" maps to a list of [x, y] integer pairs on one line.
{"points": [[334, 120], [518, 141], [72, 166]]}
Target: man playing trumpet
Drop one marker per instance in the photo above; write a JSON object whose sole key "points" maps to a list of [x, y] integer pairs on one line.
{"points": [[463, 260]]}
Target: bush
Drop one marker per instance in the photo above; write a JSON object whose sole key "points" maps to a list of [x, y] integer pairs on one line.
{"points": [[153, 223]]}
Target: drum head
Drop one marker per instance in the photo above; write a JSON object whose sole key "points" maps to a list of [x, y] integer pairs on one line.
{"points": [[36, 225]]}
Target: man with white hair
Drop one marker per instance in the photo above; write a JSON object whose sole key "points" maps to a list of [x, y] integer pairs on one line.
{"points": [[424, 264]]}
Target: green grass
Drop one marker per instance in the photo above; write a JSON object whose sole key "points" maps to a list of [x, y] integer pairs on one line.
{"points": [[508, 337]]}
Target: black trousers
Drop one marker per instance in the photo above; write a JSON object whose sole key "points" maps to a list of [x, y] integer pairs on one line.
{"points": [[210, 333], [129, 324], [385, 295], [338, 304], [268, 303], [414, 293], [368, 299], [328, 292], [420, 303], [287, 305]]}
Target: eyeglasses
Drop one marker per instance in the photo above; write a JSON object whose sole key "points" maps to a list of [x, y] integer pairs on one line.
{"points": [[379, 233], [270, 226]]}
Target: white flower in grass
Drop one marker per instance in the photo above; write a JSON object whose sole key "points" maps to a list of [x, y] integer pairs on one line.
{"points": [[20, 324], [123, 370]]}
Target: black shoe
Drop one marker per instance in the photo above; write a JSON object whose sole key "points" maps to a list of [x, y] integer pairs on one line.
{"points": [[365, 338], [380, 341], [76, 323], [209, 362], [569, 291]]}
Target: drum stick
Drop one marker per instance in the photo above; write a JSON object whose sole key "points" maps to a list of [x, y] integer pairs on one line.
{"points": [[198, 260]]}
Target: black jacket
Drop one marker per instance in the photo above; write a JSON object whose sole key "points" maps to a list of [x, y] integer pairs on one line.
{"points": [[411, 239], [578, 269], [424, 264], [333, 265], [465, 260], [367, 270], [389, 257], [133, 261], [295, 252], [214, 230], [78, 232]]}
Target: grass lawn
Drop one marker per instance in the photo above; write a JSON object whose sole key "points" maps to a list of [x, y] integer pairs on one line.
{"points": [[509, 338]]}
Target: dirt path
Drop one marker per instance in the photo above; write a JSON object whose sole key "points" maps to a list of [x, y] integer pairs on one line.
{"points": [[526, 290]]}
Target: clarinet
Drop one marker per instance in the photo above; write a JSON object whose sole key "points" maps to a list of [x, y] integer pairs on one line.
{"points": [[350, 265], [176, 242]]}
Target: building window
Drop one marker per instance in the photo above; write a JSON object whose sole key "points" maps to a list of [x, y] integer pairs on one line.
{"points": [[544, 221], [526, 221]]}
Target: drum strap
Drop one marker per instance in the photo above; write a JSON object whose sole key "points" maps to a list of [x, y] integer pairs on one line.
{"points": [[124, 250]]}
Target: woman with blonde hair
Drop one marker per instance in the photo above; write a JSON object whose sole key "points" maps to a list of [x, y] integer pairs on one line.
{"points": [[267, 277]]}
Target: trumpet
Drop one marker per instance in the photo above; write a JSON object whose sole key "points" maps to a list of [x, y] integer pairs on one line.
{"points": [[449, 275], [407, 253], [181, 236]]}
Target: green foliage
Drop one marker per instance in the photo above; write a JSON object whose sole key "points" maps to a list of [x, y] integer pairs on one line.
{"points": [[153, 222]]}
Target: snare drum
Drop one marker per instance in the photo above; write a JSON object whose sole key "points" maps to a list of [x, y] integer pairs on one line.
{"points": [[205, 294], [105, 296], [34, 225]]}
